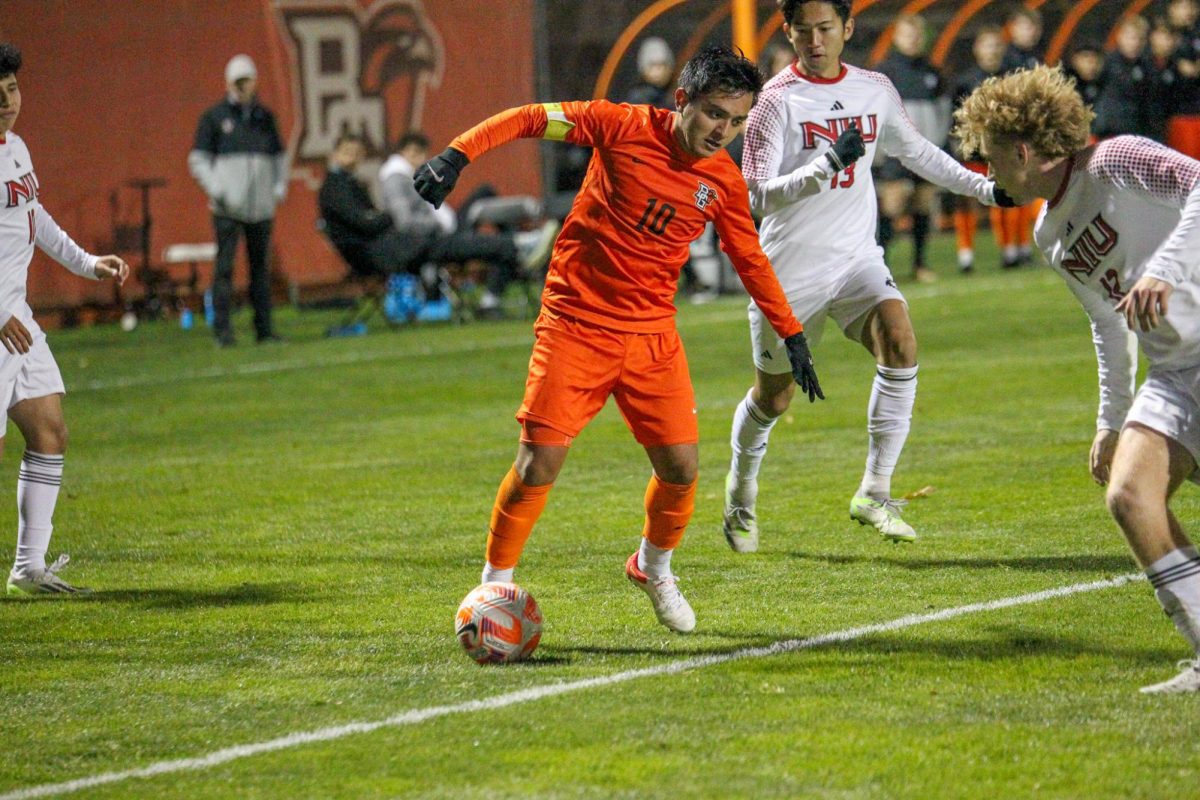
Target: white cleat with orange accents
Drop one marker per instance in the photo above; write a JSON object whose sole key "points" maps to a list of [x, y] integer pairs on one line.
{"points": [[670, 606]]}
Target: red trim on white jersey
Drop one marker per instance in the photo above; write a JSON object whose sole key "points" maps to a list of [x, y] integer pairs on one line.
{"points": [[1062, 187], [817, 78]]}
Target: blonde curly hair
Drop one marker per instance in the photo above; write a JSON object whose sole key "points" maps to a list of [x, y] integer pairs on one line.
{"points": [[1039, 106]]}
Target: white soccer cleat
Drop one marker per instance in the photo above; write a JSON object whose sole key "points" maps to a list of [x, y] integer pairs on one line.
{"points": [[30, 583], [884, 516], [1188, 680], [739, 523], [670, 606]]}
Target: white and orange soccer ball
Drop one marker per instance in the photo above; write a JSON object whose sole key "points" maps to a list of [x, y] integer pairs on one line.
{"points": [[498, 623]]}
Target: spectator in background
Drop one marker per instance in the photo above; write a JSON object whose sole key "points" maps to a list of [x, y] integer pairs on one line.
{"points": [[776, 58], [656, 73], [239, 161], [902, 191], [988, 51], [1025, 39], [1183, 126], [1164, 77], [363, 235], [1125, 84], [1084, 65], [436, 230]]}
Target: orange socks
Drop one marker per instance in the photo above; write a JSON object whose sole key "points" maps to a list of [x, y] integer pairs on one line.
{"points": [[965, 220], [516, 510], [669, 507]]}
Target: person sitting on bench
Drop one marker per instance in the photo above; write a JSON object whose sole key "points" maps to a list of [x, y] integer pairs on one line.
{"points": [[447, 241]]}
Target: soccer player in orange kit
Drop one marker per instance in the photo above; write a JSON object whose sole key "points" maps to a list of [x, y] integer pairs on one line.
{"points": [[607, 325]]}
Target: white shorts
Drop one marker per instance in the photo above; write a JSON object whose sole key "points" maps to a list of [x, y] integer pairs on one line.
{"points": [[30, 375], [1169, 402], [846, 298]]}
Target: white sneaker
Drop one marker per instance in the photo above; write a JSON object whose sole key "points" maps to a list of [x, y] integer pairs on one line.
{"points": [[884, 516], [739, 523], [670, 606], [1188, 680], [28, 583]]}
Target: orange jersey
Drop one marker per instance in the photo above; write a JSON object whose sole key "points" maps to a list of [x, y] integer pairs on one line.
{"points": [[616, 263]]}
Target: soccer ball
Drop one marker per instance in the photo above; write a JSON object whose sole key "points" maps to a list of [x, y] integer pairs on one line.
{"points": [[498, 623]]}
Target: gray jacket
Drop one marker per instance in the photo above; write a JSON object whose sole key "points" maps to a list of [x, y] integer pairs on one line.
{"points": [[239, 161], [410, 212]]}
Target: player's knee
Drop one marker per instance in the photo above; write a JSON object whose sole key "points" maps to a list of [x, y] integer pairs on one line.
{"points": [[1125, 502], [54, 438], [774, 400], [898, 347]]}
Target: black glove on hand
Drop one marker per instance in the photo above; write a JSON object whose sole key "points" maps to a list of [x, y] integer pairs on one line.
{"points": [[1002, 197], [436, 178], [848, 148], [802, 366]]}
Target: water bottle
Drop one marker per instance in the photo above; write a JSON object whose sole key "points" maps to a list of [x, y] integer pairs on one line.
{"points": [[185, 319]]}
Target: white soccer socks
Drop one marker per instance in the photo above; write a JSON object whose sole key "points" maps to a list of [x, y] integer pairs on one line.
{"points": [[654, 560], [751, 429], [889, 416], [37, 494], [493, 575], [1176, 581]]}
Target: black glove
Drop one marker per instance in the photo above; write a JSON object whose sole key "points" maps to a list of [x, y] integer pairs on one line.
{"points": [[848, 148], [437, 176], [1002, 197], [802, 366]]}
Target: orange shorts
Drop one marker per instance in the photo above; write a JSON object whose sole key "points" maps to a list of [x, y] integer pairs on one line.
{"points": [[575, 366]]}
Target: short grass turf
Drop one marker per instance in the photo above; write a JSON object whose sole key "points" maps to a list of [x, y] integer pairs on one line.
{"points": [[279, 536]]}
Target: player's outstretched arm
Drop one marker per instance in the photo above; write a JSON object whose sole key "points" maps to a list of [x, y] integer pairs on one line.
{"points": [[435, 179], [802, 366]]}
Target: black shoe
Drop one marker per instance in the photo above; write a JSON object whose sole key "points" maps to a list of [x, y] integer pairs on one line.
{"points": [[1010, 262], [271, 338], [225, 339]]}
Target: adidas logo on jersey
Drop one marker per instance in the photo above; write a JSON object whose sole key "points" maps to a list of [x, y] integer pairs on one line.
{"points": [[837, 106]]}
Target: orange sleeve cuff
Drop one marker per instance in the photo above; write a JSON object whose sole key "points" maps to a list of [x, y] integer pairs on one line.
{"points": [[522, 122]]}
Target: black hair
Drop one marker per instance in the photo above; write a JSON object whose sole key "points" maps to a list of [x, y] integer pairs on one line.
{"points": [[349, 136], [718, 68], [788, 8], [10, 59], [413, 138]]}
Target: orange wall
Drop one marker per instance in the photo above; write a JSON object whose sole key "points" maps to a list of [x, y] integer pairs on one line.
{"points": [[113, 90]]}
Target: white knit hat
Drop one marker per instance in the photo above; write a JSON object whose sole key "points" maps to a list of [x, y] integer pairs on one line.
{"points": [[654, 51], [240, 66]]}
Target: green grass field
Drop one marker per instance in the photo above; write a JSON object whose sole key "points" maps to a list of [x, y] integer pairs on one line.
{"points": [[279, 538]]}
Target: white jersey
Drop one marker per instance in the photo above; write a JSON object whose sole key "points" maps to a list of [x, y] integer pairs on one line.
{"points": [[815, 219], [1128, 207], [24, 224]]}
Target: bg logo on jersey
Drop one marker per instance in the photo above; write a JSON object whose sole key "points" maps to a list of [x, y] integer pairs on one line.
{"points": [[704, 195], [833, 128], [1084, 254], [21, 190]]}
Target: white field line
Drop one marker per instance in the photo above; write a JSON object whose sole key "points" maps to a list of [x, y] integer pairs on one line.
{"points": [[724, 313], [419, 715]]}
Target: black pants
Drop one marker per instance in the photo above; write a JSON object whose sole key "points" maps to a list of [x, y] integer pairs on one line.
{"points": [[258, 240], [498, 251]]}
